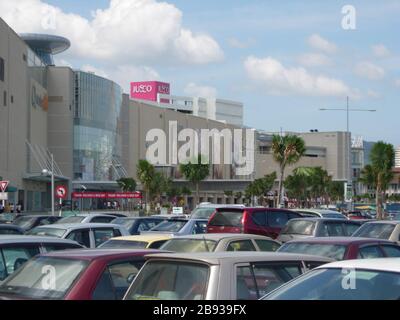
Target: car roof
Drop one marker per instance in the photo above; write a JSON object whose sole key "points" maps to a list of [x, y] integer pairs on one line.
{"points": [[322, 211], [36, 216], [220, 236], [150, 237], [386, 264], [92, 254], [339, 240], [238, 256], [383, 222], [9, 239], [323, 219], [91, 215], [78, 225], [9, 226]]}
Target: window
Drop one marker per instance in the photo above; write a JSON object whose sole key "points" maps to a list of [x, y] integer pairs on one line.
{"points": [[267, 245], [302, 227], [277, 219], [241, 245], [332, 229], [227, 219], [2, 69], [57, 247], [350, 228], [102, 219], [370, 252], [122, 274], [10, 231], [102, 235], [200, 227], [3, 272], [15, 257], [157, 244], [245, 284], [259, 218], [391, 251], [104, 289], [80, 236]]}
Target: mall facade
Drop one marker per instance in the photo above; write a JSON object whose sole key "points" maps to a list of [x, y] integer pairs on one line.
{"points": [[97, 134]]}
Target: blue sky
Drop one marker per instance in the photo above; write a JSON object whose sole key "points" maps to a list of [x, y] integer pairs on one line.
{"points": [[364, 62]]}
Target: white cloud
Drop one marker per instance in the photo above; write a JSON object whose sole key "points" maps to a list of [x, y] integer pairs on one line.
{"points": [[96, 71], [194, 90], [124, 75], [62, 63], [373, 94], [369, 70], [314, 60], [319, 43], [397, 83], [380, 51], [239, 44], [275, 78], [128, 30]]}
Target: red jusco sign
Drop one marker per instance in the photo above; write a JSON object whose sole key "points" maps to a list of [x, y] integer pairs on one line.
{"points": [[107, 195]]}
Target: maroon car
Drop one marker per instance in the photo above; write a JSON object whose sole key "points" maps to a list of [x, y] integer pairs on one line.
{"points": [[83, 274], [263, 221], [343, 248]]}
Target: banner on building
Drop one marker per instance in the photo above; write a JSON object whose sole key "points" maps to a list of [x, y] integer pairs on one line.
{"points": [[107, 195]]}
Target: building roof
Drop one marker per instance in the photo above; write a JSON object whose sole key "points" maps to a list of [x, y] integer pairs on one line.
{"points": [[47, 43], [386, 264]]}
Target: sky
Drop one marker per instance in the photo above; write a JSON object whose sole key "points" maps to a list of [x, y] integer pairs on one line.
{"points": [[283, 60]]}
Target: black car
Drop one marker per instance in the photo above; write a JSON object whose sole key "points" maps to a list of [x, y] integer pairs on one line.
{"points": [[29, 222], [10, 229], [135, 225]]}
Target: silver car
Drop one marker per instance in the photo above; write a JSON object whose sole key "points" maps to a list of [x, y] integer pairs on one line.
{"points": [[87, 218], [388, 230], [217, 275], [216, 242], [90, 235]]}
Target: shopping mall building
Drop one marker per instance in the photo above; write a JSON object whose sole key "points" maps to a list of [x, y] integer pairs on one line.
{"points": [[97, 134]]}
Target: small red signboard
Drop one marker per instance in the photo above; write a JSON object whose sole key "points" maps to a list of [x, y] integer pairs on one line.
{"points": [[107, 195], [4, 185], [61, 192]]}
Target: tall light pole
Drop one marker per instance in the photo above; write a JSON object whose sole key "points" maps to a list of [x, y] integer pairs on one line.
{"points": [[51, 173], [348, 157]]}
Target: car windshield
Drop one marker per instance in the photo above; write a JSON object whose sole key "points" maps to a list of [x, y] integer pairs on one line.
{"points": [[202, 213], [227, 218], [189, 245], [160, 281], [334, 251], [301, 227], [126, 244], [71, 219], [24, 222], [47, 232], [334, 284], [375, 230], [43, 278], [170, 225]]}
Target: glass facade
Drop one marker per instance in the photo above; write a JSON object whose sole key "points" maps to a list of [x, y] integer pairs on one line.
{"points": [[97, 127]]}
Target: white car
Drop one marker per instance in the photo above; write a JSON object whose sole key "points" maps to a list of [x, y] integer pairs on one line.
{"points": [[368, 279], [87, 218], [388, 230], [206, 209], [320, 213]]}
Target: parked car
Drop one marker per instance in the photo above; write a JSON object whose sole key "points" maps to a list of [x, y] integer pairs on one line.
{"points": [[389, 230], [263, 221], [135, 225], [217, 275], [90, 235], [205, 210], [29, 222], [180, 227], [148, 241], [356, 215], [216, 242], [343, 248], [317, 227], [10, 229], [320, 213], [372, 279], [79, 275], [86, 218], [15, 250]]}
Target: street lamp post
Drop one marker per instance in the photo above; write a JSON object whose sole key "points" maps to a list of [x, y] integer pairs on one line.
{"points": [[47, 172], [348, 157]]}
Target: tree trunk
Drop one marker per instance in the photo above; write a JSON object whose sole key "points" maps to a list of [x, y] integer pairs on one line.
{"points": [[378, 203], [280, 187], [197, 193]]}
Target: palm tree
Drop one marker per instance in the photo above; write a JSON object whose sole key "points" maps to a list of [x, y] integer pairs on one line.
{"points": [[195, 173], [287, 150], [379, 173], [145, 174]]}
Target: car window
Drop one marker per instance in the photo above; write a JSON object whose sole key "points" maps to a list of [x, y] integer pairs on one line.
{"points": [[200, 227], [102, 219], [153, 223], [10, 231], [104, 288], [391, 250], [267, 245], [241, 245], [259, 218], [277, 219], [45, 221], [15, 257], [293, 215], [143, 226], [3, 272], [330, 229], [157, 244], [271, 276], [375, 230], [58, 247], [122, 274], [102, 235], [227, 218], [245, 284], [350, 228], [80, 236], [302, 227], [370, 252]]}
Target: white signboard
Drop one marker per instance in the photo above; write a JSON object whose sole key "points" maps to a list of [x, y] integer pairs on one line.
{"points": [[177, 210], [3, 195]]}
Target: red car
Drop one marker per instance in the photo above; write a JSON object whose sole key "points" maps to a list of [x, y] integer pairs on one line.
{"points": [[82, 274], [343, 248], [263, 221]]}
